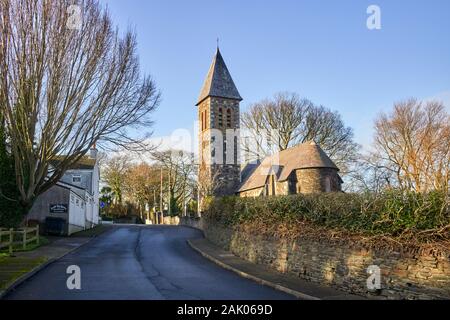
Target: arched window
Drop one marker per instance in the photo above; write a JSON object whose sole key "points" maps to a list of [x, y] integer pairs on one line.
{"points": [[228, 118], [224, 156], [220, 117], [202, 119], [327, 184]]}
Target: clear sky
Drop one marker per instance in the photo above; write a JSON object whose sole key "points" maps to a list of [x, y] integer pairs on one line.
{"points": [[320, 49]]}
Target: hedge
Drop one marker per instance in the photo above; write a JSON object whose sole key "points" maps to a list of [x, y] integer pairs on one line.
{"points": [[393, 213]]}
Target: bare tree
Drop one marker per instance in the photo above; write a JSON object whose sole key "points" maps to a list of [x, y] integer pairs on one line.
{"points": [[369, 174], [142, 185], [275, 123], [65, 86], [180, 168], [287, 120], [414, 142], [115, 174]]}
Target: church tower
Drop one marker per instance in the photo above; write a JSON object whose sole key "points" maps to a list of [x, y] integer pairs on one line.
{"points": [[218, 115]]}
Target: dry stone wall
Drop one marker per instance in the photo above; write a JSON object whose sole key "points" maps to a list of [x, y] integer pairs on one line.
{"points": [[405, 274]]}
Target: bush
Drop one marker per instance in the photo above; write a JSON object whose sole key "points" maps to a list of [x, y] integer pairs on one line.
{"points": [[393, 213]]}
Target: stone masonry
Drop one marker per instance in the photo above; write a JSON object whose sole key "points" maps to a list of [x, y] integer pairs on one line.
{"points": [[405, 274]]}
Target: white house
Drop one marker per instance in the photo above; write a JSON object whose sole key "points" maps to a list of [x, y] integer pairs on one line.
{"points": [[74, 201]]}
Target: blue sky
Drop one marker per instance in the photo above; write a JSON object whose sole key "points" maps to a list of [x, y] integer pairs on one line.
{"points": [[320, 49]]}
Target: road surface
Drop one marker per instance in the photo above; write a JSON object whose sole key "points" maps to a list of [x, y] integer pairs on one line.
{"points": [[142, 263]]}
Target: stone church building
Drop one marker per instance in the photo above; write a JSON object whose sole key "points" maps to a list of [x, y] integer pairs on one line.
{"points": [[301, 169]]}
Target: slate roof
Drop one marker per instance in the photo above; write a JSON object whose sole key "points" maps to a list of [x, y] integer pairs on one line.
{"points": [[218, 82], [303, 156], [85, 163], [248, 170]]}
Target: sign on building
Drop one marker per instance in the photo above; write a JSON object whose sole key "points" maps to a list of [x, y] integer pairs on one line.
{"points": [[58, 208]]}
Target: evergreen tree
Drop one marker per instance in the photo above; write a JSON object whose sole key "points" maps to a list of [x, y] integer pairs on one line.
{"points": [[10, 210]]}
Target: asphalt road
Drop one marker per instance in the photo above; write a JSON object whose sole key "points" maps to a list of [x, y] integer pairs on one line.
{"points": [[142, 263]]}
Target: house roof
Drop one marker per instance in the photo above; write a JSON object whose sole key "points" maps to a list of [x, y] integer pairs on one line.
{"points": [[303, 156], [218, 82], [85, 163]]}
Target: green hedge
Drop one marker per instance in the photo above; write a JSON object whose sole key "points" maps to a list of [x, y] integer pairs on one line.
{"points": [[392, 213]]}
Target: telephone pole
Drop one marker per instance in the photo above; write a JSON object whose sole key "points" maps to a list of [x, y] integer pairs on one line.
{"points": [[170, 196], [161, 196]]}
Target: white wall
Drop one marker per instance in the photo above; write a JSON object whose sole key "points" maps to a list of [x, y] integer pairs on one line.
{"points": [[89, 210], [96, 193], [76, 211]]}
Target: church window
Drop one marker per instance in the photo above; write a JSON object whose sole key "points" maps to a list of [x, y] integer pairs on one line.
{"points": [[220, 117], [327, 184], [224, 152], [228, 118], [202, 120], [292, 183], [272, 185], [235, 150]]}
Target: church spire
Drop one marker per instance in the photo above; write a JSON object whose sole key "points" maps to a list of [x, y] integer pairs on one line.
{"points": [[219, 82]]}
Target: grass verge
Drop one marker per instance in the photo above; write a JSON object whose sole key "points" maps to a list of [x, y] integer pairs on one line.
{"points": [[12, 268]]}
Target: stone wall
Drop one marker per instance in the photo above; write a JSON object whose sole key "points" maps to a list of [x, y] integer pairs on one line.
{"points": [[192, 222], [313, 180], [252, 193], [171, 221], [226, 179], [407, 274], [301, 181], [219, 122]]}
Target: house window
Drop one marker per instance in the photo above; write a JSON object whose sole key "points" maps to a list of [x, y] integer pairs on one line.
{"points": [[76, 178], [82, 204], [228, 118], [77, 202], [72, 199]]}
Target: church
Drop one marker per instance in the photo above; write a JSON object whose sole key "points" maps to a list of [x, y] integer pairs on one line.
{"points": [[304, 168]]}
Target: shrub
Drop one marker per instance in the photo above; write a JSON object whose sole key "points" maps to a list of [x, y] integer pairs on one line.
{"points": [[392, 213]]}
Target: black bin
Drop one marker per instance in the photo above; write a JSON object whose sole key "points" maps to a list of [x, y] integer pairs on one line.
{"points": [[55, 226]]}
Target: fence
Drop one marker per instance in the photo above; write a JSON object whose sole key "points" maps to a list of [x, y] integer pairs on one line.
{"points": [[26, 236]]}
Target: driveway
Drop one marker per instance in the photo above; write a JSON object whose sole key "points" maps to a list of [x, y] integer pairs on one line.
{"points": [[142, 263]]}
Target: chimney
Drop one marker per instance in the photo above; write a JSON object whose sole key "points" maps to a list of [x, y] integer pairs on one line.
{"points": [[93, 152]]}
